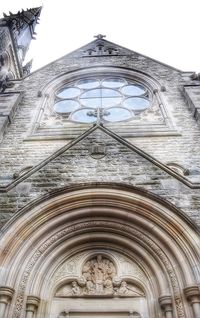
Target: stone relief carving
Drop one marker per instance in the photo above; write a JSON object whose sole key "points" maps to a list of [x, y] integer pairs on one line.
{"points": [[72, 266], [68, 268], [99, 279], [98, 273], [129, 268], [106, 289]]}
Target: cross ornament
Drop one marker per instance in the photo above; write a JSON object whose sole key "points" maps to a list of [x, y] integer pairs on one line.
{"points": [[99, 36]]}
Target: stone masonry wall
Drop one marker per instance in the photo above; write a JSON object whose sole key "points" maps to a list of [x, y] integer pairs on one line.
{"points": [[120, 164]]}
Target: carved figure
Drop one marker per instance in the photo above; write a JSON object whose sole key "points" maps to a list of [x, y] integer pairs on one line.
{"points": [[98, 279], [75, 288], [27, 68], [89, 289], [126, 290], [87, 271], [99, 271], [4, 80], [123, 289], [108, 287]]}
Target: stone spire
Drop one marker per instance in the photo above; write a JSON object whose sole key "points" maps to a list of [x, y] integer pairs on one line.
{"points": [[22, 30], [21, 20]]}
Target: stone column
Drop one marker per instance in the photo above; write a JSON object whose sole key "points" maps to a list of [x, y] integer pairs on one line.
{"points": [[192, 294], [166, 305], [32, 304], [6, 294]]}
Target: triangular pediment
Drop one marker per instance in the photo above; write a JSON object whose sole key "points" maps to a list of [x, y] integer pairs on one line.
{"points": [[81, 148], [102, 48]]}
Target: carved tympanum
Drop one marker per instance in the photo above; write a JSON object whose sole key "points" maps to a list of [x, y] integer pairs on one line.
{"points": [[99, 279], [98, 274]]}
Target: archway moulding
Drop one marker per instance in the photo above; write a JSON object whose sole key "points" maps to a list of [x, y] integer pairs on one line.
{"points": [[111, 200], [44, 200], [160, 238]]}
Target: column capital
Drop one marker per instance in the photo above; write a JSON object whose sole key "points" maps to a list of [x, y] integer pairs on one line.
{"points": [[32, 303], [165, 302], [6, 294], [192, 293]]}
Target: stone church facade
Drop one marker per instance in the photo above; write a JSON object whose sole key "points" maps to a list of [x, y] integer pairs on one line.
{"points": [[99, 182]]}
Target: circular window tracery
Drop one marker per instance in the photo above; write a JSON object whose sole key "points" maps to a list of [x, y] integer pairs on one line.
{"points": [[111, 99]]}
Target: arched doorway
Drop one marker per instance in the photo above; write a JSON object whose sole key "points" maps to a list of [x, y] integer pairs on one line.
{"points": [[100, 250]]}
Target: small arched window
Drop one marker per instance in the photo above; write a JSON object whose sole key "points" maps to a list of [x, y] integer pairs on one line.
{"points": [[105, 98]]}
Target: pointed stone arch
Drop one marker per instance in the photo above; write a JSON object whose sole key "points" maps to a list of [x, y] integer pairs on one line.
{"points": [[109, 219]]}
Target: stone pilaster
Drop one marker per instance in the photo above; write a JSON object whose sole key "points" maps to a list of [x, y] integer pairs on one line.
{"points": [[6, 294], [32, 304], [166, 304], [192, 294]]}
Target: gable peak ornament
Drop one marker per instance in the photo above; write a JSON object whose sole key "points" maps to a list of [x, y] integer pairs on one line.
{"points": [[99, 36], [101, 47]]}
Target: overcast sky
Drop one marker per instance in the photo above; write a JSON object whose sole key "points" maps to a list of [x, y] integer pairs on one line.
{"points": [[166, 30]]}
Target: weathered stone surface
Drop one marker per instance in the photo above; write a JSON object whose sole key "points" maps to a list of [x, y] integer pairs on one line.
{"points": [[136, 223], [17, 153]]}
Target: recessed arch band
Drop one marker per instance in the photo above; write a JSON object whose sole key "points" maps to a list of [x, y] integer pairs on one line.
{"points": [[155, 235]]}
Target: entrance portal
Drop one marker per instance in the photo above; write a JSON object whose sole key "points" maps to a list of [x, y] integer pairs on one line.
{"points": [[100, 251]]}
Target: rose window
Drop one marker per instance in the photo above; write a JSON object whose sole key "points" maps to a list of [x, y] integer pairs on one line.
{"points": [[108, 99]]}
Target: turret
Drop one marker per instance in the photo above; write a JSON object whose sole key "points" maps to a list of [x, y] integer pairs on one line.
{"points": [[16, 32]]}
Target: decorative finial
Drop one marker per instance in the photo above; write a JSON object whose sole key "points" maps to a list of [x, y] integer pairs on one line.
{"points": [[99, 36]]}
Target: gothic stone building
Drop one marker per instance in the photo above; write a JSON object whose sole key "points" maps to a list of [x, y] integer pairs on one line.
{"points": [[99, 183]]}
